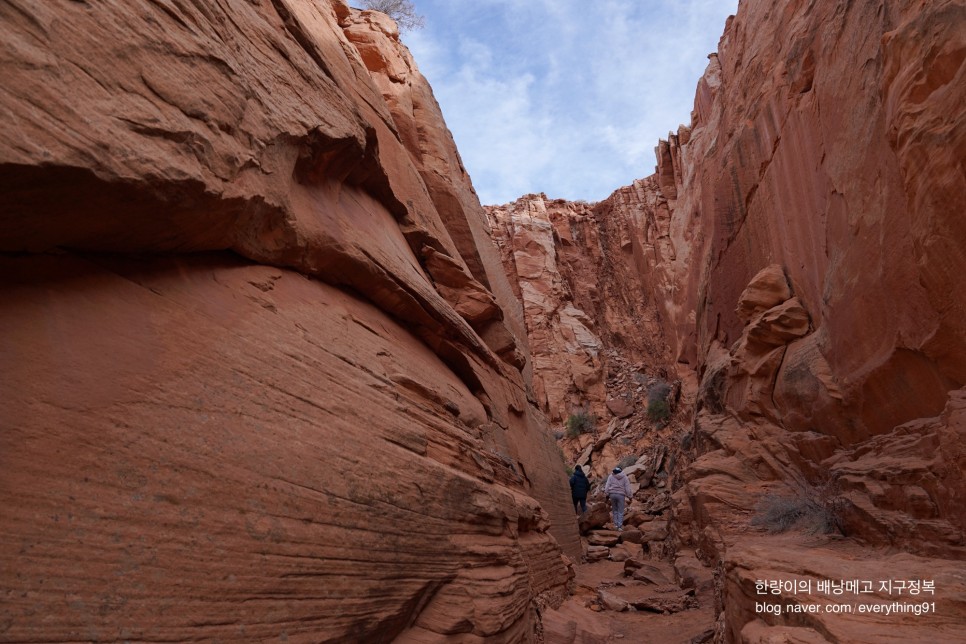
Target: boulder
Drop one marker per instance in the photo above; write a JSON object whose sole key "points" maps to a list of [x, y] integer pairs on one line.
{"points": [[597, 553], [624, 552], [653, 598], [632, 535], [654, 531], [612, 602], [596, 516], [691, 573], [620, 407], [651, 574], [767, 289], [605, 538]]}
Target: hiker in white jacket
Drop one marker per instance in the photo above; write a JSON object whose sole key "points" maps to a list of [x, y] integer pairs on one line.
{"points": [[618, 490]]}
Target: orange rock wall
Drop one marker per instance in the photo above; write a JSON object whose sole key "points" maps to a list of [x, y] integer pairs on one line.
{"points": [[805, 239], [263, 377], [827, 139], [819, 198], [586, 299]]}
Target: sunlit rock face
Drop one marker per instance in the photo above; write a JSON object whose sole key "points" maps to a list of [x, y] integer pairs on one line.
{"points": [[564, 341], [263, 375], [586, 301]]}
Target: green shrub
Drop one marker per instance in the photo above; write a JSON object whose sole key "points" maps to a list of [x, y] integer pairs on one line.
{"points": [[658, 411], [579, 423]]}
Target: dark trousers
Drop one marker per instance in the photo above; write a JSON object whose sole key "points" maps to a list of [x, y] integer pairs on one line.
{"points": [[582, 503]]}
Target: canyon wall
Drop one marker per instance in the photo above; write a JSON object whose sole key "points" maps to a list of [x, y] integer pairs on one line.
{"points": [[802, 241], [587, 308], [264, 377], [818, 194], [826, 141]]}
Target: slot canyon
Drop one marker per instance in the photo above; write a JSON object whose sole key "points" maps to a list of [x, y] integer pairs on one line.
{"points": [[270, 371]]}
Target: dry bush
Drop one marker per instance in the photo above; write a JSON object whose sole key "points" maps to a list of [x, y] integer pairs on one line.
{"points": [[402, 11], [658, 392], [627, 461], [580, 422], [814, 509]]}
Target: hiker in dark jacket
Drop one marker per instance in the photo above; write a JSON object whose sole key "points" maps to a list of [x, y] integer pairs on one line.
{"points": [[579, 487]]}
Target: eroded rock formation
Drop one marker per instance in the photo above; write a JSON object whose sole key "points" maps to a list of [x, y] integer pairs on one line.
{"points": [[263, 374], [802, 240], [578, 275]]}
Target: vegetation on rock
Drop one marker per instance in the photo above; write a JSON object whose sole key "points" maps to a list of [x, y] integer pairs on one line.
{"points": [[579, 423], [811, 508], [402, 11]]}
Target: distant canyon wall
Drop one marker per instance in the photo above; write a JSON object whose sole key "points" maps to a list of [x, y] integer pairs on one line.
{"points": [[587, 305], [263, 374]]}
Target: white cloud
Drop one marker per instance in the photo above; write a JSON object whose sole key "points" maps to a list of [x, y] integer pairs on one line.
{"points": [[564, 96]]}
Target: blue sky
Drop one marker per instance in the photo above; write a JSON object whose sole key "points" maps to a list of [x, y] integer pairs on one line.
{"points": [[567, 97]]}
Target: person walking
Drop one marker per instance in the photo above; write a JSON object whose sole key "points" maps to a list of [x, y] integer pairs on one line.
{"points": [[579, 487], [618, 490]]}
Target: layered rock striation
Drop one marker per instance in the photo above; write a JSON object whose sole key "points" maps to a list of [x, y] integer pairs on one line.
{"points": [[264, 376], [807, 151], [801, 240]]}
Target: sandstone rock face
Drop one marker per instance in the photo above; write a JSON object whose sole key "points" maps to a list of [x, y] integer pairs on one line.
{"points": [[879, 500], [830, 351], [568, 367], [806, 153], [802, 239], [264, 377], [431, 148], [577, 273]]}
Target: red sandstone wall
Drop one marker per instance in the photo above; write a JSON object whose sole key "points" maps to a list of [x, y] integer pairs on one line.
{"points": [[261, 378], [827, 140], [810, 251], [802, 241]]}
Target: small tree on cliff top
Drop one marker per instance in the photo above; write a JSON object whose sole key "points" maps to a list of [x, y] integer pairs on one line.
{"points": [[402, 11]]}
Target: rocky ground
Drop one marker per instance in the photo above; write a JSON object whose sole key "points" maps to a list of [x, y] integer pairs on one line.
{"points": [[695, 549], [635, 600], [634, 585]]}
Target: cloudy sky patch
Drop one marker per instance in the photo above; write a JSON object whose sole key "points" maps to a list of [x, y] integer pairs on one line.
{"points": [[567, 97]]}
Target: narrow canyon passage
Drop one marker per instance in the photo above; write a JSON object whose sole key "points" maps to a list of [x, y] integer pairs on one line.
{"points": [[270, 371]]}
